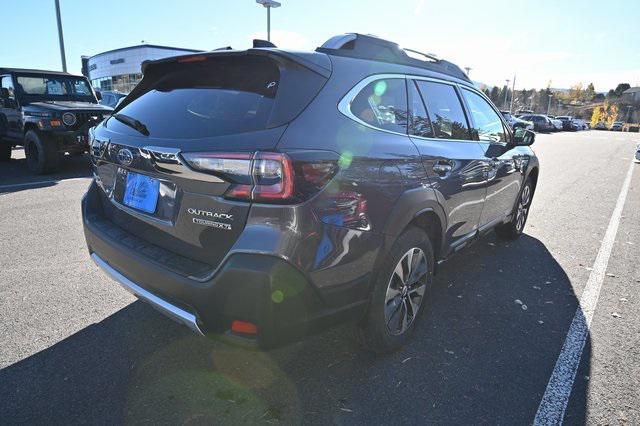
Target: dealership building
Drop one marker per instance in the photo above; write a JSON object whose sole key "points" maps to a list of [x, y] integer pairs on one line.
{"points": [[119, 69]]}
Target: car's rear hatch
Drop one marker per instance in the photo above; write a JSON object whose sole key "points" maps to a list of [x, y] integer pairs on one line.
{"points": [[174, 164]]}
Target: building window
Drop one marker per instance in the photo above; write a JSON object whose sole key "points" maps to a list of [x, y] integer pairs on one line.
{"points": [[119, 83]]}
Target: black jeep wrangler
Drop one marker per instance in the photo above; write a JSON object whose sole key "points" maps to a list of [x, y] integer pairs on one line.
{"points": [[47, 112]]}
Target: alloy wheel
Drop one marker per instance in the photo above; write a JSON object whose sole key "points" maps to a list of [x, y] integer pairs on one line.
{"points": [[405, 291], [523, 208]]}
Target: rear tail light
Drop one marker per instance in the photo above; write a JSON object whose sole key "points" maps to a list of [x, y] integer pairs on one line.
{"points": [[269, 177]]}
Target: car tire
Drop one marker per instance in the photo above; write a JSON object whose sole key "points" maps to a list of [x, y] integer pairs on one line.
{"points": [[41, 153], [399, 294], [514, 228], [5, 150]]}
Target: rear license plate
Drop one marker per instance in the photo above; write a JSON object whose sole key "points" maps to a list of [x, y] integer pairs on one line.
{"points": [[141, 192]]}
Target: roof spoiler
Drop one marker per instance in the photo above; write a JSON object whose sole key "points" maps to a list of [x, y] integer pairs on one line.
{"points": [[310, 61]]}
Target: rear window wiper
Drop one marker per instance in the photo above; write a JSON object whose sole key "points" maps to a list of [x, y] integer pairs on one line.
{"points": [[132, 122]]}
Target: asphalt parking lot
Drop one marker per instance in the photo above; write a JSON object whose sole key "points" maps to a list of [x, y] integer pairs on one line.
{"points": [[76, 348]]}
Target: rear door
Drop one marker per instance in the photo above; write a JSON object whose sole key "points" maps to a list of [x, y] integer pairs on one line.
{"points": [[503, 173], [453, 161], [175, 162]]}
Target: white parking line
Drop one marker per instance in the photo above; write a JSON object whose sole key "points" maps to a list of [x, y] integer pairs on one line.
{"points": [[42, 182], [556, 396]]}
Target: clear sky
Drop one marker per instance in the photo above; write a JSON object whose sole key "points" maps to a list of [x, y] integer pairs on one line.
{"points": [[564, 41]]}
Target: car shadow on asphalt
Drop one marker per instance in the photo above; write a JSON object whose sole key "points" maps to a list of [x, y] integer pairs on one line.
{"points": [[478, 357], [15, 175]]}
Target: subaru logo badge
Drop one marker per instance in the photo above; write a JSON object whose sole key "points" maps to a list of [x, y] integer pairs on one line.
{"points": [[125, 157]]}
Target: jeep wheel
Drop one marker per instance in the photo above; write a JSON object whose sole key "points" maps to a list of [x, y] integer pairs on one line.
{"points": [[5, 150], [41, 153], [513, 229], [401, 292]]}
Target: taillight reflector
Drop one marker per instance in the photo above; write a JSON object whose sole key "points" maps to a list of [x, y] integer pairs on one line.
{"points": [[244, 327]]}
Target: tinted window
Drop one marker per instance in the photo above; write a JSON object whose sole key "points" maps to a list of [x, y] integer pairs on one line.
{"points": [[7, 83], [204, 99], [420, 125], [445, 110], [383, 104], [485, 120]]}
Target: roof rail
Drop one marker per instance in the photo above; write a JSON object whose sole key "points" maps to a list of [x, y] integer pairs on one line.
{"points": [[364, 46]]}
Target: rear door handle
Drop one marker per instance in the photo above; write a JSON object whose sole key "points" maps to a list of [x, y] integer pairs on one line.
{"points": [[442, 168]]}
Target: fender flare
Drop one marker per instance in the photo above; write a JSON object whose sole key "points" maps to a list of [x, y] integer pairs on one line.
{"points": [[409, 206]]}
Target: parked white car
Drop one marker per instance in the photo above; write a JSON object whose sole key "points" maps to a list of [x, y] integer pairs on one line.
{"points": [[556, 123]]}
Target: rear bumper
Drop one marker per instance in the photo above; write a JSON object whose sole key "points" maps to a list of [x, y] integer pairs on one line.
{"points": [[261, 288], [180, 315]]}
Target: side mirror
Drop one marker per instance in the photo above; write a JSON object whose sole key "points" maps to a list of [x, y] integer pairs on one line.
{"points": [[523, 137], [98, 95]]}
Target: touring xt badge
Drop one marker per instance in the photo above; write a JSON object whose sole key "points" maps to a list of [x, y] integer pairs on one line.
{"points": [[204, 218]]}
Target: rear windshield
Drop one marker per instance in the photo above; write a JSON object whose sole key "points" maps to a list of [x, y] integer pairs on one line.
{"points": [[210, 98]]}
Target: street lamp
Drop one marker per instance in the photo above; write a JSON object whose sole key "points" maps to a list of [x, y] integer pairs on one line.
{"points": [[549, 103], [60, 36], [268, 4], [506, 92]]}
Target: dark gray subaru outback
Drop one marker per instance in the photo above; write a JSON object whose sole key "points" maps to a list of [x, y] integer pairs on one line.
{"points": [[265, 194]]}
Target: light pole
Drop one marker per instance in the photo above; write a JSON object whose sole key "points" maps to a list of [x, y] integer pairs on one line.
{"points": [[61, 37], [549, 103], [513, 93], [506, 92], [268, 4]]}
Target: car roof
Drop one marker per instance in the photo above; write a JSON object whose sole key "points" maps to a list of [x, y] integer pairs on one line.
{"points": [[33, 71]]}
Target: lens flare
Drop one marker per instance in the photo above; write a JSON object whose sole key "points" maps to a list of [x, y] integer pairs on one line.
{"points": [[380, 88], [345, 160]]}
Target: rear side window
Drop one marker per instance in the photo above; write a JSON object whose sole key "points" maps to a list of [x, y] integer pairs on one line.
{"points": [[383, 104], [211, 98], [486, 121], [445, 110]]}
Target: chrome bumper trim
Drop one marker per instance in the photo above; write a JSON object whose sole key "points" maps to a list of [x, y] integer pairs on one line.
{"points": [[172, 311]]}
